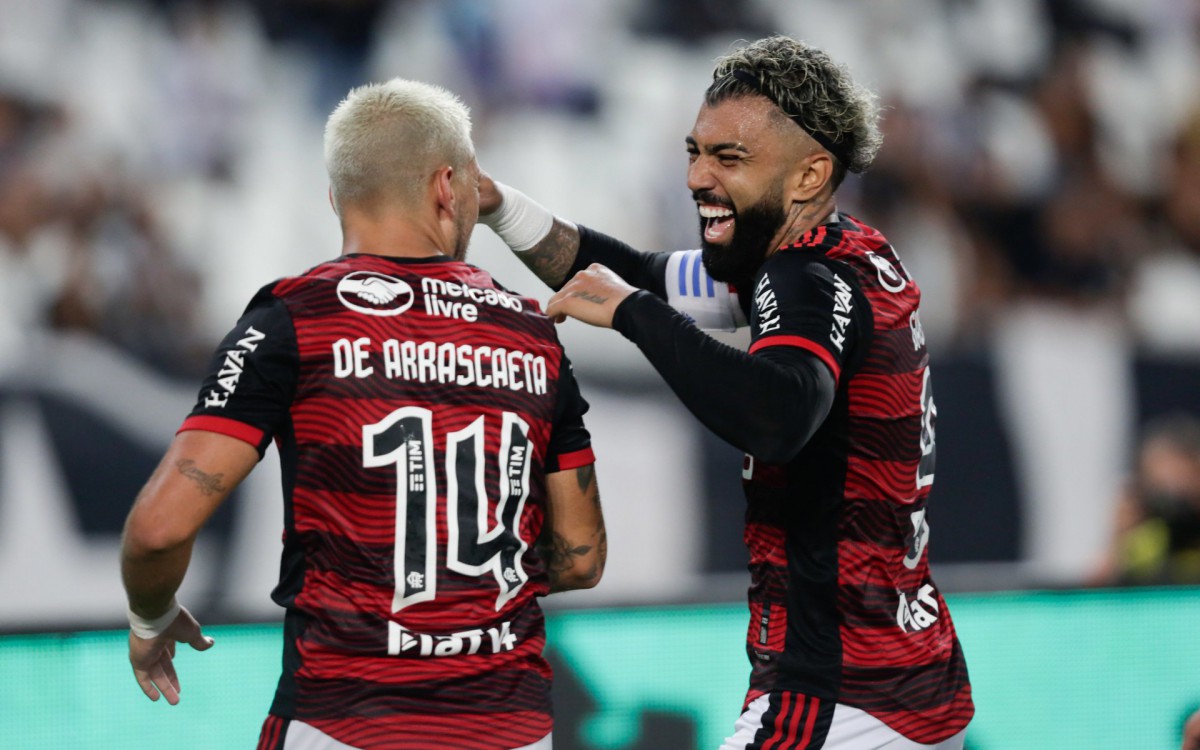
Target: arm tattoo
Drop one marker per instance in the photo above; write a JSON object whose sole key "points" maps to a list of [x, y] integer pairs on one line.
{"points": [[209, 484], [552, 258], [560, 556], [601, 555], [586, 475]]}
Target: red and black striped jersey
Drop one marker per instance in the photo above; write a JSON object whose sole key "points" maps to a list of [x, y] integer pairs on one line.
{"points": [[842, 603], [417, 407]]}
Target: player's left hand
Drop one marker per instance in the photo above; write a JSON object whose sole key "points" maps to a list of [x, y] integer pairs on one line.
{"points": [[152, 657], [591, 296]]}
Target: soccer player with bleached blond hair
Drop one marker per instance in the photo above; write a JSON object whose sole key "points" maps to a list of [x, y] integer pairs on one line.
{"points": [[437, 474]]}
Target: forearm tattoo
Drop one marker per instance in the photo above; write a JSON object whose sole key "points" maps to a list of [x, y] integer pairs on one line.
{"points": [[209, 484], [560, 553], [552, 258], [560, 556]]}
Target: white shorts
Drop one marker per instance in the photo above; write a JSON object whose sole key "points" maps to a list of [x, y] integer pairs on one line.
{"points": [[805, 719], [301, 736]]}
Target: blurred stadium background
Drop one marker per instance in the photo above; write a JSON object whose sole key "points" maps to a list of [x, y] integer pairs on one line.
{"points": [[160, 160]]}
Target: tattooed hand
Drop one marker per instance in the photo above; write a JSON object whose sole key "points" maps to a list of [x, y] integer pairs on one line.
{"points": [[592, 296]]}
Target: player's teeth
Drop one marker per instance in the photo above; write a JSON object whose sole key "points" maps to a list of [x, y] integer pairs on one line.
{"points": [[714, 212]]}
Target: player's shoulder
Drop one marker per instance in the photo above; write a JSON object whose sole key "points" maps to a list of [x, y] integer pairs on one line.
{"points": [[328, 271], [844, 237], [509, 298], [867, 250], [807, 264]]}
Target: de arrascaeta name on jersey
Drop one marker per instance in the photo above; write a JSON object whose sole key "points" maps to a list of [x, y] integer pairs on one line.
{"points": [[447, 363]]}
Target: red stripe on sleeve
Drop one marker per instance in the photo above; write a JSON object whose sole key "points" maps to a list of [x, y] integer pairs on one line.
{"points": [[575, 459], [801, 343], [223, 426]]}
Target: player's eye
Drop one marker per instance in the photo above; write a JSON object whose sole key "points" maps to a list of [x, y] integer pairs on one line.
{"points": [[729, 158]]}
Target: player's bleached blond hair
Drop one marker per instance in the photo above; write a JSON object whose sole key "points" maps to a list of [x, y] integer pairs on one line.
{"points": [[385, 140], [811, 89]]}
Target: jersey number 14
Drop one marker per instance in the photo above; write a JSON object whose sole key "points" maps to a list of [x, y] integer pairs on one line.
{"points": [[475, 545]]}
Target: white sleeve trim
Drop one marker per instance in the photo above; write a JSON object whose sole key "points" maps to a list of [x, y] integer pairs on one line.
{"points": [[712, 305]]}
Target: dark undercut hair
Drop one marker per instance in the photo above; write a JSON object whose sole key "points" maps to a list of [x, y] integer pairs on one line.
{"points": [[809, 88]]}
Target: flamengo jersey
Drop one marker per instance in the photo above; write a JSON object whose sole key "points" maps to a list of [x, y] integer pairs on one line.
{"points": [[417, 407], [842, 603]]}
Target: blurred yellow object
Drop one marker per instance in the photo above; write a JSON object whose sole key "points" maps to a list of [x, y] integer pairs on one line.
{"points": [[1147, 557]]}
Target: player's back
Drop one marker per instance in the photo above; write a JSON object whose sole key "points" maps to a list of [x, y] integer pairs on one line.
{"points": [[414, 472]]}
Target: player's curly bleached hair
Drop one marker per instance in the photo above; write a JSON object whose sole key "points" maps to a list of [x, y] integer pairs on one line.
{"points": [[811, 89], [385, 140]]}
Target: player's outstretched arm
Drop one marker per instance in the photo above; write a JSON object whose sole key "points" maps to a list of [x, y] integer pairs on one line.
{"points": [[555, 248], [547, 245], [574, 543], [195, 476]]}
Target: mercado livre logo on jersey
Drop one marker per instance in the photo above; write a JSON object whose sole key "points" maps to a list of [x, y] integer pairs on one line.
{"points": [[373, 293]]}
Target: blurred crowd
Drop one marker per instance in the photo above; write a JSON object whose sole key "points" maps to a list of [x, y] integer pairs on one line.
{"points": [[1040, 175], [1035, 148]]}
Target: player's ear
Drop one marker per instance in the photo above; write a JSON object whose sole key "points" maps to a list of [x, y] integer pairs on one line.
{"points": [[332, 202], [444, 190], [813, 174]]}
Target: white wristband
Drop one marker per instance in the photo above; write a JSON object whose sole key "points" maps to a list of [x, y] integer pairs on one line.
{"points": [[520, 221], [147, 629]]}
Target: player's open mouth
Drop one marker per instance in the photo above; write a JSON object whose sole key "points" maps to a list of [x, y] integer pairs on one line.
{"points": [[718, 222]]}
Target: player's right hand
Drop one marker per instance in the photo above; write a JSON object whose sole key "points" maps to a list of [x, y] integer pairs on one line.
{"points": [[152, 657], [591, 296]]}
